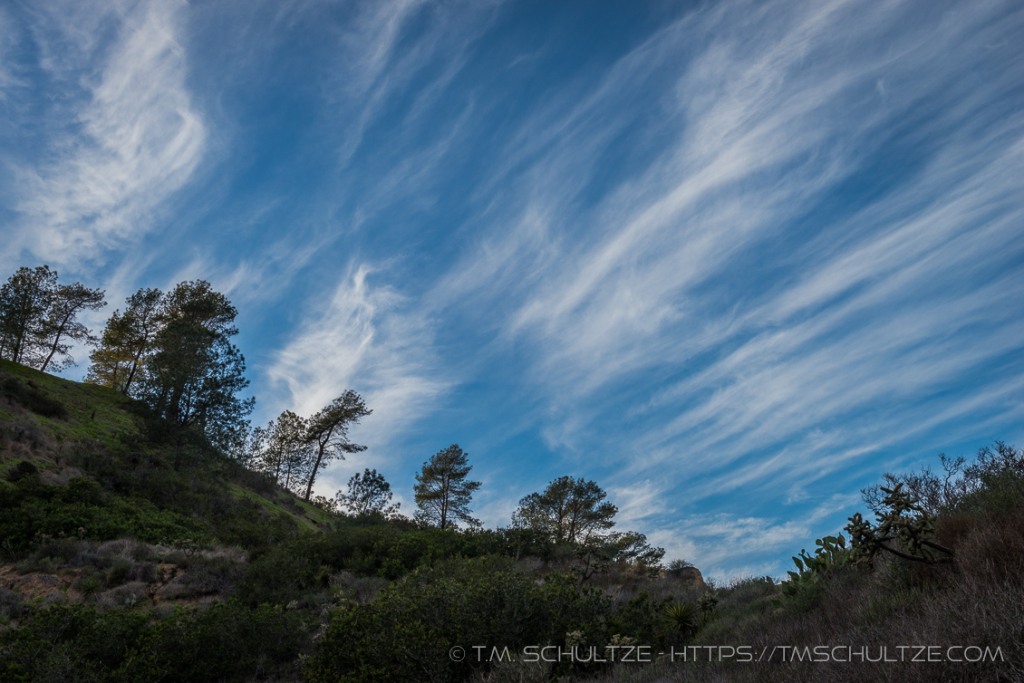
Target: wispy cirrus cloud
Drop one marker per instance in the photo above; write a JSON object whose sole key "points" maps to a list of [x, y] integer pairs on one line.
{"points": [[727, 260], [366, 337], [791, 322], [376, 62], [733, 545], [129, 134]]}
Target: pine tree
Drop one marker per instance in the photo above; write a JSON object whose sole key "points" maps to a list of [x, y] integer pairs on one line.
{"points": [[367, 493], [287, 456], [25, 301], [119, 360], [443, 493], [568, 510], [193, 373], [67, 302], [327, 432]]}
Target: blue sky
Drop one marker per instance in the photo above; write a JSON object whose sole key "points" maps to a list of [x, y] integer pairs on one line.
{"points": [[732, 260]]}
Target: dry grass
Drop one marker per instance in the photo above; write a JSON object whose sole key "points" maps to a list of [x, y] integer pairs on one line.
{"points": [[976, 601]]}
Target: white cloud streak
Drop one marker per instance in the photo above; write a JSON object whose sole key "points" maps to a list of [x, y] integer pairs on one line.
{"points": [[133, 137], [727, 545], [722, 304], [884, 309], [364, 338]]}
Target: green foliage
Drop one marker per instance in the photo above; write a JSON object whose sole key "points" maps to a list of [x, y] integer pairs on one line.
{"points": [[633, 549], [281, 450], [804, 587], [278, 578], [569, 510], [279, 575], [119, 359], [32, 399], [198, 491], [993, 480], [406, 633], [327, 432], [60, 324], [707, 605], [21, 470], [830, 554], [29, 508], [682, 616], [25, 300], [193, 373], [368, 492], [38, 317], [75, 643], [642, 618], [443, 492]]}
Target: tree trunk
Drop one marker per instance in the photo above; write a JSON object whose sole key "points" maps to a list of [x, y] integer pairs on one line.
{"points": [[312, 475], [135, 363], [56, 340]]}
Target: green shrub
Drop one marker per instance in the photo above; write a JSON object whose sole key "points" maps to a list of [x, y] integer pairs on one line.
{"points": [[207, 576], [642, 618], [227, 642], [31, 509], [406, 633], [682, 618], [21, 470], [277, 578]]}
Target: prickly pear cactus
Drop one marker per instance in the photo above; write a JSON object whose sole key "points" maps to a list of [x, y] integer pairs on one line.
{"points": [[830, 554]]}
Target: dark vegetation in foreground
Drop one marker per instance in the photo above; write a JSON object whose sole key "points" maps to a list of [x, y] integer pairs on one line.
{"points": [[130, 556]]}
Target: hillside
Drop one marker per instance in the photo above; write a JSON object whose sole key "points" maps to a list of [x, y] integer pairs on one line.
{"points": [[68, 429], [129, 557]]}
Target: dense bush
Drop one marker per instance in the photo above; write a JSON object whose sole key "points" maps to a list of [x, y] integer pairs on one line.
{"points": [[227, 642], [407, 632], [992, 481], [198, 491], [644, 619], [976, 599], [277, 578], [29, 508]]}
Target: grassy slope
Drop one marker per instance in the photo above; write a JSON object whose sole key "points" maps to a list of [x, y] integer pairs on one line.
{"points": [[99, 415], [96, 413]]}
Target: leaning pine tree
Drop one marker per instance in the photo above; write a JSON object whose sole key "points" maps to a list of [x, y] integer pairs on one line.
{"points": [[327, 432]]}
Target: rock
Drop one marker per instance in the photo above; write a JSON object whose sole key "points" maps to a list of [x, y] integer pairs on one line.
{"points": [[690, 576]]}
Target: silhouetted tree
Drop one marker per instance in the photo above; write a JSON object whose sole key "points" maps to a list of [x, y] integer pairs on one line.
{"points": [[249, 446], [25, 300], [443, 493], [287, 454], [327, 432], [67, 301], [568, 510], [367, 493], [632, 547], [194, 373]]}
